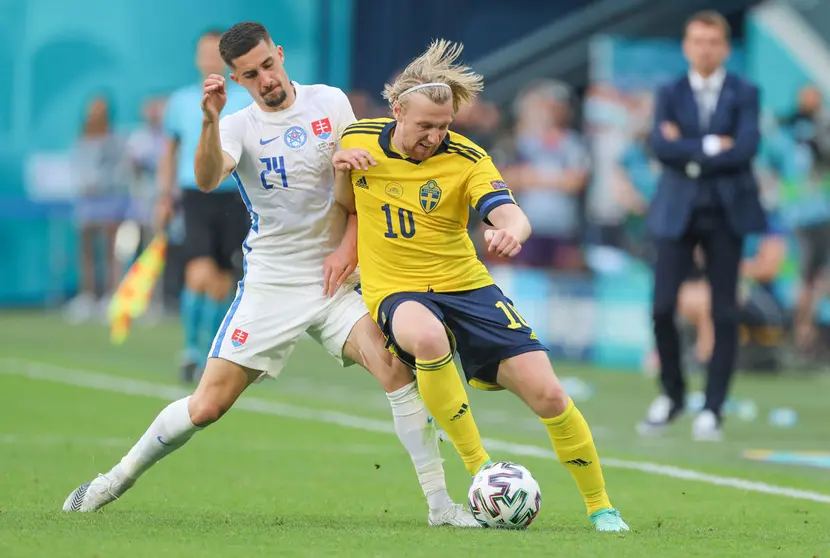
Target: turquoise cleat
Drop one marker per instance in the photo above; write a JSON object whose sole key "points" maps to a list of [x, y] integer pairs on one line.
{"points": [[608, 520], [486, 464]]}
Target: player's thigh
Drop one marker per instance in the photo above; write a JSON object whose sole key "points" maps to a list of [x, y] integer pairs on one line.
{"points": [[340, 325], [195, 207], [366, 345], [220, 386], [232, 225], [262, 326], [488, 329], [416, 327]]}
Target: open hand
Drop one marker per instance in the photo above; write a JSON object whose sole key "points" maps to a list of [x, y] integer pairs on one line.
{"points": [[354, 158], [337, 267]]}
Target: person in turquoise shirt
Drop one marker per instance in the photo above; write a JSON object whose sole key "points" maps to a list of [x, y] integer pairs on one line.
{"points": [[215, 224], [634, 186]]}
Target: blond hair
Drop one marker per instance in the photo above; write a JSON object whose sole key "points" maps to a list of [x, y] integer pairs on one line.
{"points": [[447, 81]]}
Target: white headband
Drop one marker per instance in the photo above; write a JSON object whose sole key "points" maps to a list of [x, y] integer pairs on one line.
{"points": [[415, 88]]}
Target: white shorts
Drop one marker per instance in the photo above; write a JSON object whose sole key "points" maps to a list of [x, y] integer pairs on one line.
{"points": [[265, 321]]}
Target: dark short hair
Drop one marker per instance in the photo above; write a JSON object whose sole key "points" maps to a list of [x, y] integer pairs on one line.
{"points": [[241, 39], [711, 18]]}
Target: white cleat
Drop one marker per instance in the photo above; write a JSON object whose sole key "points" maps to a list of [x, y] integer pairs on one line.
{"points": [[453, 515], [92, 496], [706, 428]]}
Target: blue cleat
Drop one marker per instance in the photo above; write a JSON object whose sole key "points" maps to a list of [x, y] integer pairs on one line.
{"points": [[608, 520]]}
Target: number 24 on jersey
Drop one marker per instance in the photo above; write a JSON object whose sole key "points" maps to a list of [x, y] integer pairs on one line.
{"points": [[276, 165]]}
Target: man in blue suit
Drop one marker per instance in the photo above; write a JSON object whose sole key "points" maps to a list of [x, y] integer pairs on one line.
{"points": [[706, 133]]}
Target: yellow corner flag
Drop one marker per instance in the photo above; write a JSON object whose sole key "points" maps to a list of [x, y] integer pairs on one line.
{"points": [[134, 293]]}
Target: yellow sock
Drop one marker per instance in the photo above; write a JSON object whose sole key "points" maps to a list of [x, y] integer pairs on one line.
{"points": [[575, 449], [445, 397]]}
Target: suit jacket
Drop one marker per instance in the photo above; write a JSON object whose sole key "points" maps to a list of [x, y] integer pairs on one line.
{"points": [[686, 167]]}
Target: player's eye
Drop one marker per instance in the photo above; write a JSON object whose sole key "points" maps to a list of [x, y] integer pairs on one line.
{"points": [[249, 75], [268, 64]]}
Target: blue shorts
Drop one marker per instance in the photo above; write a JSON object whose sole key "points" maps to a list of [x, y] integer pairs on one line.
{"points": [[482, 325]]}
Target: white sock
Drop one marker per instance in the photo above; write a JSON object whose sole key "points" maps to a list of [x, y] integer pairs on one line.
{"points": [[171, 429], [417, 434]]}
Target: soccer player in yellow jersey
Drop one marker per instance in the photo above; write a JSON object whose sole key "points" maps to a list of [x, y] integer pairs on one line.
{"points": [[423, 282]]}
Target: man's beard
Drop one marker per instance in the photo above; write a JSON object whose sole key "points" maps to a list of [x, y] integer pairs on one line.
{"points": [[275, 102]]}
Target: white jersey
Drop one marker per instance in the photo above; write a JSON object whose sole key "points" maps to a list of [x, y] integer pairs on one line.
{"points": [[286, 179]]}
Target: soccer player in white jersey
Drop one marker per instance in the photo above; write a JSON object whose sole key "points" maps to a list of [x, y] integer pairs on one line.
{"points": [[300, 255]]}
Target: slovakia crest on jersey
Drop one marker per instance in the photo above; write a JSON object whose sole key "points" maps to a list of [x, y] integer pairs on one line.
{"points": [[322, 128], [238, 338]]}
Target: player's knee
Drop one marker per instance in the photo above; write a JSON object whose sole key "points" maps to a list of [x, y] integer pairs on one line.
{"points": [[431, 342], [550, 401], [205, 410], [395, 375], [199, 274], [218, 288]]}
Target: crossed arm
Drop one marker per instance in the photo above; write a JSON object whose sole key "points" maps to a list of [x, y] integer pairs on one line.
{"points": [[712, 153]]}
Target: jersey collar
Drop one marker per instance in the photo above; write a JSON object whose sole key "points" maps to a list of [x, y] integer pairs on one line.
{"points": [[385, 141]]}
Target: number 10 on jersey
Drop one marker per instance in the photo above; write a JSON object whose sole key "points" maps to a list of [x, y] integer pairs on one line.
{"points": [[273, 164]]}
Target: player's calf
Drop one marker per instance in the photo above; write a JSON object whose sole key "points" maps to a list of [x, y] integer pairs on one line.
{"points": [[221, 385], [531, 377], [219, 388]]}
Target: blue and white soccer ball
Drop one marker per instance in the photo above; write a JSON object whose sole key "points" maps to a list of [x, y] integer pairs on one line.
{"points": [[504, 495]]}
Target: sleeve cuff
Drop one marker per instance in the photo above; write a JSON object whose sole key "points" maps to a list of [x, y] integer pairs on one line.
{"points": [[711, 145]]}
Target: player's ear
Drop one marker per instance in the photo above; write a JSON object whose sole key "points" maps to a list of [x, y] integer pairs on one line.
{"points": [[234, 78], [280, 53], [397, 111]]}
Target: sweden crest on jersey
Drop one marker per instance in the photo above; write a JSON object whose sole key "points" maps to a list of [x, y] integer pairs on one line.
{"points": [[430, 195]]}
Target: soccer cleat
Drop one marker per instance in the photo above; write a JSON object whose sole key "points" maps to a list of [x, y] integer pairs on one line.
{"points": [[706, 428], [608, 520], [94, 495], [453, 515], [484, 466], [661, 413]]}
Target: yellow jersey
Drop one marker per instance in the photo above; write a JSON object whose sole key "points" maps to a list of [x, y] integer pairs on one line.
{"points": [[412, 215]]}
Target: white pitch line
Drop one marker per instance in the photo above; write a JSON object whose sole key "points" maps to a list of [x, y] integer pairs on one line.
{"points": [[150, 389]]}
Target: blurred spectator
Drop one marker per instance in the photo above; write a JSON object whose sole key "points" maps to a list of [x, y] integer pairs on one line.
{"points": [[634, 185], [802, 150], [612, 121], [480, 122], [144, 148], [761, 312], [100, 207], [364, 105], [548, 172]]}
